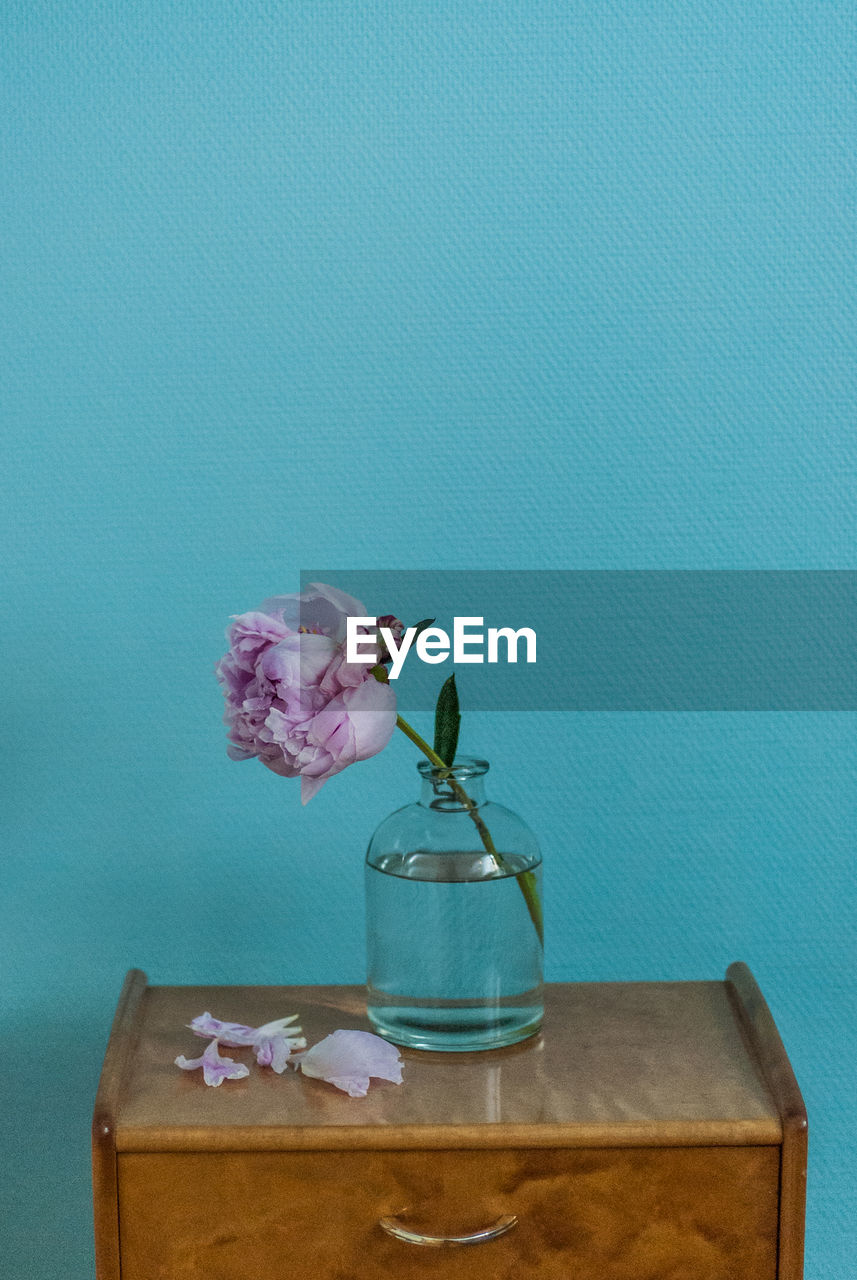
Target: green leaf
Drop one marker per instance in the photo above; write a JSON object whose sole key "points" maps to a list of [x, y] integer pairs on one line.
{"points": [[421, 626], [447, 722]]}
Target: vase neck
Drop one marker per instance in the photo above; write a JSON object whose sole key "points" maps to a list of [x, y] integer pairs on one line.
{"points": [[442, 788]]}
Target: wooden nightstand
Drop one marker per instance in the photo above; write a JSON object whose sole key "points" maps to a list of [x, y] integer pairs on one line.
{"points": [[653, 1131]]}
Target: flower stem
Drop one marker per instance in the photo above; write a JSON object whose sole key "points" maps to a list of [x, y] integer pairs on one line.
{"points": [[527, 879]]}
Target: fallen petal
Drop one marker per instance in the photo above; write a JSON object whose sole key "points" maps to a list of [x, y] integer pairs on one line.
{"points": [[236, 1035], [188, 1064], [214, 1068], [272, 1028], [233, 1034], [348, 1059], [274, 1052]]}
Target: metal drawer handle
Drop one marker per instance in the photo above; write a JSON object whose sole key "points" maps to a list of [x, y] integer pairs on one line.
{"points": [[395, 1228]]}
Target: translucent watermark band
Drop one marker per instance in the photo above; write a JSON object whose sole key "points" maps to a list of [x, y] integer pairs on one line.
{"points": [[627, 640]]}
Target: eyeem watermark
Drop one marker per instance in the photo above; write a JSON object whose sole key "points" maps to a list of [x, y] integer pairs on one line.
{"points": [[433, 644]]}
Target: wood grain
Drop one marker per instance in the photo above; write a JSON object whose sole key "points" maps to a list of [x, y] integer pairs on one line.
{"points": [[627, 1214], [653, 1131], [775, 1068], [616, 1064], [107, 1100]]}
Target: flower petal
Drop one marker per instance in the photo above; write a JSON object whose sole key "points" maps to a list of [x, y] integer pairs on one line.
{"points": [[348, 1059], [310, 787], [214, 1068], [274, 1052], [236, 1035], [188, 1064], [321, 608], [278, 1027]]}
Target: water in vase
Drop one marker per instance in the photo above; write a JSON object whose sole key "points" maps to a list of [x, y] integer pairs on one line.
{"points": [[455, 962]]}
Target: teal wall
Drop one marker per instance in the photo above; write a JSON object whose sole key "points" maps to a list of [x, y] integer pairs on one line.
{"points": [[516, 284]]}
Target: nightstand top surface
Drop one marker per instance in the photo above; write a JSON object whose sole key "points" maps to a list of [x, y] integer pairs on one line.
{"points": [[624, 1064]]}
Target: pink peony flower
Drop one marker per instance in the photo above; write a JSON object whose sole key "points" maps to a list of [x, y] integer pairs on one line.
{"points": [[292, 700]]}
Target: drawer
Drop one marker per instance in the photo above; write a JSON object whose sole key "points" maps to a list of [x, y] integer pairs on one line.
{"points": [[654, 1213]]}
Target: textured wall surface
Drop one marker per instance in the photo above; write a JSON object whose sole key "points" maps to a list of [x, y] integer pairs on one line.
{"points": [[516, 284]]}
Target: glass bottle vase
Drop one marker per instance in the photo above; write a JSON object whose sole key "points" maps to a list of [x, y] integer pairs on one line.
{"points": [[453, 914]]}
